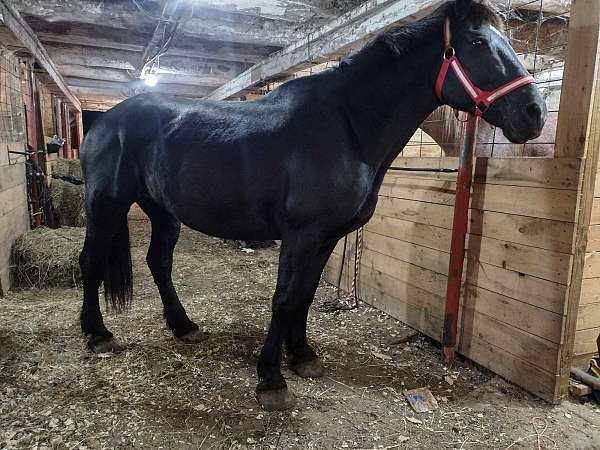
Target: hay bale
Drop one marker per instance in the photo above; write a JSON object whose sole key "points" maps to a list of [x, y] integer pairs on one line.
{"points": [[67, 199], [68, 169], [46, 258]]}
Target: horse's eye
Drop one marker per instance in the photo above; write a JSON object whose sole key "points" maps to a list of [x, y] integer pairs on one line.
{"points": [[477, 43]]}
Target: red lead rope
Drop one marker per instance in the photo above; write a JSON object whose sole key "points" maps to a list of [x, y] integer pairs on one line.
{"points": [[482, 99]]}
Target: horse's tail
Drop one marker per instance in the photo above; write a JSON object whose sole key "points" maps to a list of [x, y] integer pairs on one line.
{"points": [[117, 270]]}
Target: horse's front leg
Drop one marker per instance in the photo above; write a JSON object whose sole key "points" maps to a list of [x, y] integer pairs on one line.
{"points": [[303, 359], [296, 278]]}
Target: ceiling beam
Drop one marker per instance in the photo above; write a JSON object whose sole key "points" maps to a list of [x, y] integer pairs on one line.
{"points": [[122, 76], [331, 41], [10, 18], [85, 87]]}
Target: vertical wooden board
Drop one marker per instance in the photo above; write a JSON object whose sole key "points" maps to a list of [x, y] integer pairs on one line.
{"points": [[585, 342], [588, 316], [578, 134], [542, 233], [555, 204]]}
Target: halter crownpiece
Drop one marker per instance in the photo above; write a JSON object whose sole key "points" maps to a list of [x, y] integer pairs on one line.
{"points": [[482, 99]]}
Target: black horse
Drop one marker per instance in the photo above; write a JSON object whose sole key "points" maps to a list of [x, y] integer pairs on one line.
{"points": [[304, 164]]}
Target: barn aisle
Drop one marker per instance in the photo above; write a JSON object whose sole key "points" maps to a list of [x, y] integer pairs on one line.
{"points": [[160, 393]]}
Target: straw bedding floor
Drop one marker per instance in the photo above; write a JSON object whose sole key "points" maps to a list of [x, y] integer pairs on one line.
{"points": [[163, 394]]}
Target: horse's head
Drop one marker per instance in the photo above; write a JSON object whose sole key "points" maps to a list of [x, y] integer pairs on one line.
{"points": [[483, 73]]}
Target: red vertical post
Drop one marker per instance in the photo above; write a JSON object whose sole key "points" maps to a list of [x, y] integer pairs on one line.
{"points": [[459, 232]]}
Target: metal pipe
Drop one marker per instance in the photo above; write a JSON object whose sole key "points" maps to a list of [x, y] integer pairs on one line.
{"points": [[459, 232], [585, 378]]}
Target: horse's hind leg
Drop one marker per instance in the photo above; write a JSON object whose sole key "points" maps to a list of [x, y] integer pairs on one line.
{"points": [[99, 240], [165, 232]]}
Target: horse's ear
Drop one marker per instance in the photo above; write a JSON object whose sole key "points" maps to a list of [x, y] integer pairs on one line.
{"points": [[462, 8]]}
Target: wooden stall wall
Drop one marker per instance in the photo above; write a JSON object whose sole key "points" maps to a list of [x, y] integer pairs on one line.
{"points": [[14, 215], [516, 269]]}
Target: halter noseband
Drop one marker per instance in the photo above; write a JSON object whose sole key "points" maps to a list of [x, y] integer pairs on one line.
{"points": [[482, 99]]}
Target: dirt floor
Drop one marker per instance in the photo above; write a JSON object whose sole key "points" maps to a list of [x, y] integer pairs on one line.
{"points": [[160, 393]]}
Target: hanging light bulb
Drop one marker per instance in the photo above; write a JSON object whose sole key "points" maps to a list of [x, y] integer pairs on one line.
{"points": [[150, 79]]}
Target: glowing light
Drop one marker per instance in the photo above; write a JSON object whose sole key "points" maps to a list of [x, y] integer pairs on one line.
{"points": [[150, 80]]}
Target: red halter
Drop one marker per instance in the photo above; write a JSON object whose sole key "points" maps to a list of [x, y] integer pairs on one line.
{"points": [[482, 99]]}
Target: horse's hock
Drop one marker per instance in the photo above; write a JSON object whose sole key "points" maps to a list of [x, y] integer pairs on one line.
{"points": [[530, 300]]}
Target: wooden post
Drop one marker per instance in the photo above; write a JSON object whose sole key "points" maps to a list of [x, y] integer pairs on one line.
{"points": [[578, 135]]}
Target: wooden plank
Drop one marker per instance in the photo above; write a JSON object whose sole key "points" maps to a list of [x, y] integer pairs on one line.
{"points": [[532, 172], [417, 255], [415, 211], [527, 259], [590, 291], [588, 316], [577, 389], [425, 190], [591, 267], [541, 263], [11, 176], [416, 233], [556, 204], [336, 38], [585, 341], [593, 243], [13, 198], [531, 290], [595, 216], [578, 134], [547, 234], [11, 18], [538, 322], [487, 354]]}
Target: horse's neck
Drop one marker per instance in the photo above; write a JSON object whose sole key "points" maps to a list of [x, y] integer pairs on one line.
{"points": [[385, 97]]}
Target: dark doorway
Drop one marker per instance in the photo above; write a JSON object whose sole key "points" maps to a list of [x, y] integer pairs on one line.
{"points": [[88, 119]]}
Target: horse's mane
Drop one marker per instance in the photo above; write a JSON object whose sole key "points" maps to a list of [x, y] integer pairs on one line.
{"points": [[402, 38]]}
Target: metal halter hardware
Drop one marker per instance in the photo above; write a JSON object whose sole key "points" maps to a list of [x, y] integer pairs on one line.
{"points": [[482, 99]]}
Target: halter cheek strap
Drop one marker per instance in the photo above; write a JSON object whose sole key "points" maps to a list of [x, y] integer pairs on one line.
{"points": [[482, 99]]}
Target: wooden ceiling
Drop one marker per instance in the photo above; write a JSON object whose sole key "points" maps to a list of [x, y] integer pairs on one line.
{"points": [[98, 46]]}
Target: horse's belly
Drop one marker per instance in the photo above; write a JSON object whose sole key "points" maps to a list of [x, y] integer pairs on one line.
{"points": [[228, 223]]}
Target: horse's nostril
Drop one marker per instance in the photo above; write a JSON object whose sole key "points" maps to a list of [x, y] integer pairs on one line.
{"points": [[534, 111]]}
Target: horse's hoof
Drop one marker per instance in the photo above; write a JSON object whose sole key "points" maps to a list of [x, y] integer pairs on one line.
{"points": [[309, 369], [109, 345], [194, 337], [276, 399]]}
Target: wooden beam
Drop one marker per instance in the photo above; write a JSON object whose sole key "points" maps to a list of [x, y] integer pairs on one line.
{"points": [[165, 77], [332, 40], [578, 134], [13, 21], [95, 88]]}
